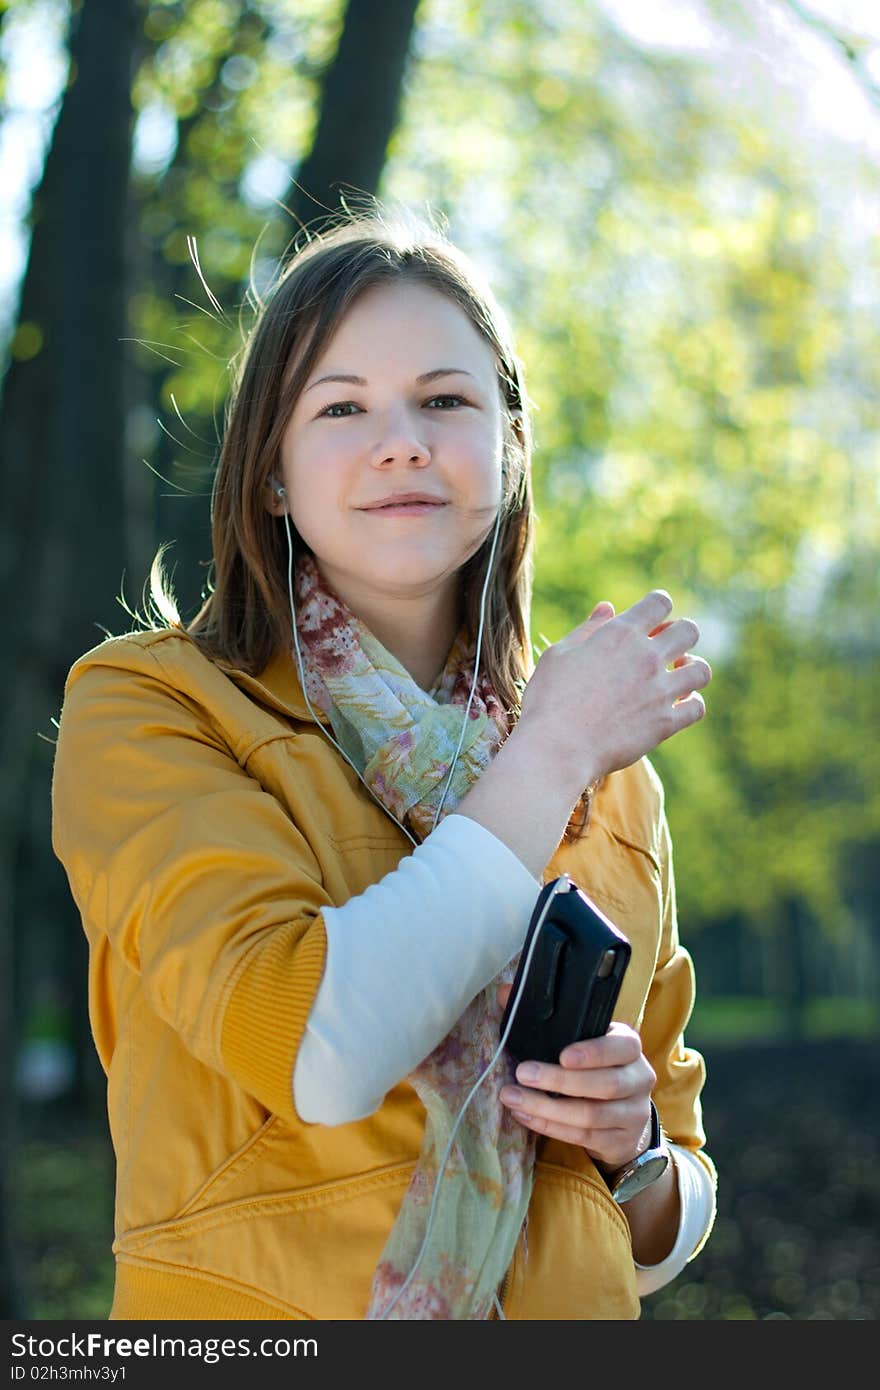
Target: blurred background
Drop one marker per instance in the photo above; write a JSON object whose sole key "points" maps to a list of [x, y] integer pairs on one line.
{"points": [[677, 201]]}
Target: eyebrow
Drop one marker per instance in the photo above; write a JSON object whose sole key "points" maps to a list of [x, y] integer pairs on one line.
{"points": [[361, 381]]}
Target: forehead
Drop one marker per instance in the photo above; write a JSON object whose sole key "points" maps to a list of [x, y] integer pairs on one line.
{"points": [[406, 324]]}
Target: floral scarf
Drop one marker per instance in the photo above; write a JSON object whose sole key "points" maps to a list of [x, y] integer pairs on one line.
{"points": [[402, 739]]}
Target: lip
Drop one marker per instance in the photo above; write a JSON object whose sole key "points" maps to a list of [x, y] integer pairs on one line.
{"points": [[403, 499]]}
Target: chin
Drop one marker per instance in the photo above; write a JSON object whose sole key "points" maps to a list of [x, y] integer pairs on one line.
{"points": [[396, 572], [404, 575]]}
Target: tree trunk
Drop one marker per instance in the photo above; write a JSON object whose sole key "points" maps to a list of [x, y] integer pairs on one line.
{"points": [[359, 104], [61, 461], [794, 964]]}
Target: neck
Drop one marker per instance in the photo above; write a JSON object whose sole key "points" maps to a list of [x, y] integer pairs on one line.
{"points": [[418, 632], [417, 628]]}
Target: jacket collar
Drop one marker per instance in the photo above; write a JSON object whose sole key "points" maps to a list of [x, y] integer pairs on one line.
{"points": [[277, 686]]}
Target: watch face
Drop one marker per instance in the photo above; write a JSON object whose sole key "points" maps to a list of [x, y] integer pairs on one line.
{"points": [[648, 1169]]}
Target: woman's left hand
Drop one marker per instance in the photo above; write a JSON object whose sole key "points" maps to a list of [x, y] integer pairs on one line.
{"points": [[598, 1097]]}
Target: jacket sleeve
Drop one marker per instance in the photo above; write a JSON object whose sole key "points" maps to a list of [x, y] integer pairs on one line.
{"points": [[194, 875], [681, 1071]]}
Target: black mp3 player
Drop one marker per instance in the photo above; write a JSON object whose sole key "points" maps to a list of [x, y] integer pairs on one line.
{"points": [[574, 975]]}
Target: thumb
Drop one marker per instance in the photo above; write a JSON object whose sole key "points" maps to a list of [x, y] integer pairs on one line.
{"points": [[602, 612]]}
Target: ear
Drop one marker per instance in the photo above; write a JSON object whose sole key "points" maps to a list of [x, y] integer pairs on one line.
{"points": [[276, 505]]}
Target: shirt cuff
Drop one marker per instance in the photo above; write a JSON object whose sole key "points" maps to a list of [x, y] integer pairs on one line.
{"points": [[696, 1192]]}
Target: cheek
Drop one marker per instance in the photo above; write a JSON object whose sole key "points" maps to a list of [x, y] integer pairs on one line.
{"points": [[313, 511], [313, 478], [484, 452], [471, 467]]}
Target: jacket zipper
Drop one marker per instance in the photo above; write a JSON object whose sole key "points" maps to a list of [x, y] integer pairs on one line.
{"points": [[501, 1291]]}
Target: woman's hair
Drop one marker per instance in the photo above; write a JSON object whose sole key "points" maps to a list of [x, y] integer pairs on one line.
{"points": [[246, 616]]}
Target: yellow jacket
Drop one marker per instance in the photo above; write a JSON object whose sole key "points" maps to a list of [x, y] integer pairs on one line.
{"points": [[204, 823]]}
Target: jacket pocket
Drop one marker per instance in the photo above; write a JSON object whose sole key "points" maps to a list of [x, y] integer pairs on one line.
{"points": [[224, 1178], [574, 1262], [313, 1250]]}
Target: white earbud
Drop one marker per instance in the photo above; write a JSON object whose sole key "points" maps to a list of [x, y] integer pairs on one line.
{"points": [[277, 488]]}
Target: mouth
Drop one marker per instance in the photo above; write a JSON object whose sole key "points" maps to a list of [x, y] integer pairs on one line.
{"points": [[404, 508]]}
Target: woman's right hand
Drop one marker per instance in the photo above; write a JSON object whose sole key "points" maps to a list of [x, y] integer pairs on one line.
{"points": [[603, 696]]}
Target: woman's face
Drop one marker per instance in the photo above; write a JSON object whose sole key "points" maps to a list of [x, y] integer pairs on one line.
{"points": [[424, 416]]}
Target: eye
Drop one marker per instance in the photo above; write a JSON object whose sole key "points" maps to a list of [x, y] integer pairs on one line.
{"points": [[337, 405], [459, 400]]}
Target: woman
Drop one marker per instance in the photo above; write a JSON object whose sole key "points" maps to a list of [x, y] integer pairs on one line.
{"points": [[306, 852]]}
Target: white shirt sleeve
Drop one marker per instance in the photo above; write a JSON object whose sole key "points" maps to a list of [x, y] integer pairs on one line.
{"points": [[696, 1192], [404, 959]]}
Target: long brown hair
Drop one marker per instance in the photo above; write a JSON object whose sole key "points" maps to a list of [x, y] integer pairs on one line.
{"points": [[245, 618]]}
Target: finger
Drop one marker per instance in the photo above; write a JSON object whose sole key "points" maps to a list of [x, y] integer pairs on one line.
{"points": [[620, 1045], [684, 661], [610, 1147], [585, 1083], [602, 611], [674, 639], [687, 711], [691, 674], [540, 1111], [649, 612], [596, 1118], [600, 614], [504, 992], [584, 1136]]}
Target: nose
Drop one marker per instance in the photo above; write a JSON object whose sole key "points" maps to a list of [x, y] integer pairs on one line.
{"points": [[401, 440]]}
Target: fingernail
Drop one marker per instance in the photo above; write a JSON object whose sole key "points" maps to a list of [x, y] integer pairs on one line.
{"points": [[511, 1096], [528, 1071]]}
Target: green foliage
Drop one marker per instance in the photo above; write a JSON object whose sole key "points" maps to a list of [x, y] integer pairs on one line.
{"points": [[732, 1019]]}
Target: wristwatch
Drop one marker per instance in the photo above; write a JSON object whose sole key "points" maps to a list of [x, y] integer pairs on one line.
{"points": [[644, 1169]]}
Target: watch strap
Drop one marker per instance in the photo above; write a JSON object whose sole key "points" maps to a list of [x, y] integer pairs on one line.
{"points": [[645, 1168]]}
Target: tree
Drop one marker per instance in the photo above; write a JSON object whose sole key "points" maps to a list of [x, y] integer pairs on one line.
{"points": [[62, 420]]}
